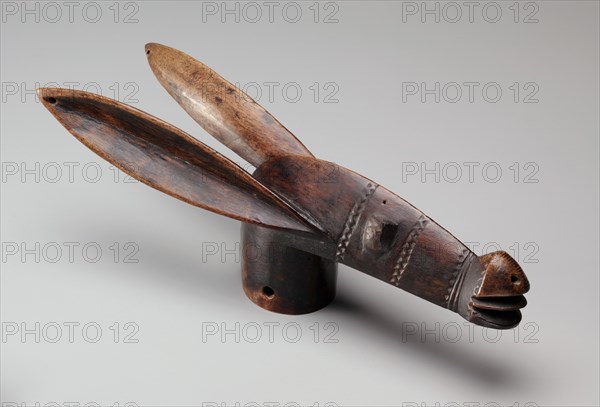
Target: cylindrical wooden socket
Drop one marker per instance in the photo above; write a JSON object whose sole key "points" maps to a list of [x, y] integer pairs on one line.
{"points": [[283, 279]]}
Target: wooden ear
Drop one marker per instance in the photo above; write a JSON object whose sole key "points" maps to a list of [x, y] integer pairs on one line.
{"points": [[167, 159], [221, 108]]}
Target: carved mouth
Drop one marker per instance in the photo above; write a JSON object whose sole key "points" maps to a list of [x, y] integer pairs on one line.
{"points": [[497, 296], [497, 312], [513, 303]]}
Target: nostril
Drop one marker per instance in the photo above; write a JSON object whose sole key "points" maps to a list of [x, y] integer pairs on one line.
{"points": [[268, 291], [514, 278]]}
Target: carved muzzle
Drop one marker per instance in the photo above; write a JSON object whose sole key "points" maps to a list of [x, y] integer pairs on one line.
{"points": [[494, 291]]}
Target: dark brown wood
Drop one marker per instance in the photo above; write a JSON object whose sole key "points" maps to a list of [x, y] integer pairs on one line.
{"points": [[278, 276], [301, 215], [221, 108], [380, 234], [168, 159]]}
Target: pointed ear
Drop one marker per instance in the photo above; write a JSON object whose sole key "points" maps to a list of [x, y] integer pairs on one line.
{"points": [[168, 159], [221, 108]]}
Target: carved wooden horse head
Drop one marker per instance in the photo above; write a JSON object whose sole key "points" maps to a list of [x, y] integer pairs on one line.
{"points": [[301, 215]]}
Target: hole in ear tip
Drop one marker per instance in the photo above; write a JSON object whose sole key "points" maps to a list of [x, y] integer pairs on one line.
{"points": [[268, 291], [514, 278], [51, 100]]}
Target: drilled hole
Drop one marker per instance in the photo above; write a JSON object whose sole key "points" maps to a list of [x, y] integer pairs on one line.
{"points": [[268, 291], [388, 232], [384, 201], [51, 100], [147, 52], [514, 278]]}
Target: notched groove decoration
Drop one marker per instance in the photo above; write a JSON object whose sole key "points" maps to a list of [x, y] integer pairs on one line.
{"points": [[341, 217], [407, 249], [352, 221], [478, 284], [456, 280]]}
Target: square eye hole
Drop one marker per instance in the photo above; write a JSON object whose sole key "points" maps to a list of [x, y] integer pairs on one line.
{"points": [[388, 232], [379, 235]]}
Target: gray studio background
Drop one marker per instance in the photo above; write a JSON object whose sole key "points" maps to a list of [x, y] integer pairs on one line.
{"points": [[135, 312]]}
